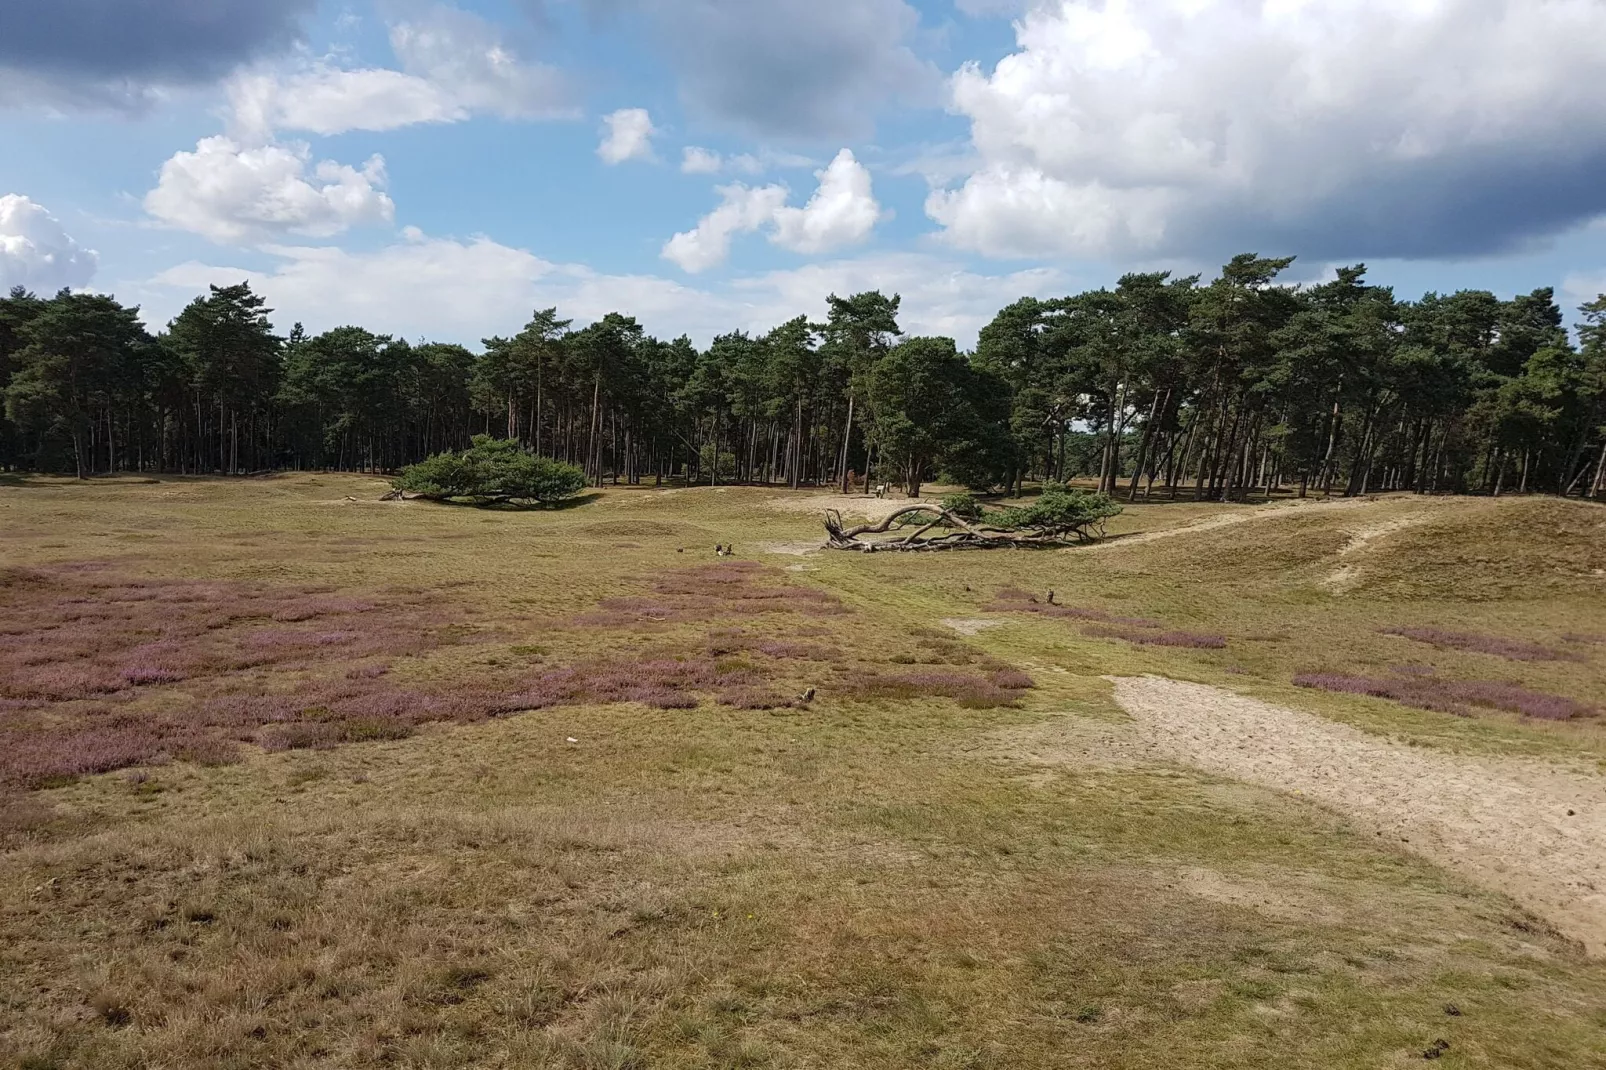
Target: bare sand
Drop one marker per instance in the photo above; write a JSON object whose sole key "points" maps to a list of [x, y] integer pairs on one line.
{"points": [[872, 509], [1528, 828]]}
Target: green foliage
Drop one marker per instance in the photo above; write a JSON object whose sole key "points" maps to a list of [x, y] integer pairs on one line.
{"points": [[722, 471], [963, 505], [933, 409], [1220, 389], [1058, 509], [492, 471], [79, 353]]}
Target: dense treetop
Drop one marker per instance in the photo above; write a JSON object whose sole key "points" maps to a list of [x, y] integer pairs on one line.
{"points": [[1159, 385]]}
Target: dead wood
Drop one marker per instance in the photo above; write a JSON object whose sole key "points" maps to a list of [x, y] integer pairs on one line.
{"points": [[960, 534]]}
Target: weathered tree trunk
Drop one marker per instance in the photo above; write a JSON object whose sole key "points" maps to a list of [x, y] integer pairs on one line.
{"points": [[847, 439]]}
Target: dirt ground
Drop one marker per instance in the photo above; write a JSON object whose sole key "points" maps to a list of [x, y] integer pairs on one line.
{"points": [[1529, 828], [854, 505]]}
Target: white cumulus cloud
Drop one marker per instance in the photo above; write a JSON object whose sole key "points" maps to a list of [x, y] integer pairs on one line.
{"points": [[842, 211], [626, 135], [449, 290], [233, 193], [36, 252], [454, 65], [700, 161], [741, 210], [1327, 127]]}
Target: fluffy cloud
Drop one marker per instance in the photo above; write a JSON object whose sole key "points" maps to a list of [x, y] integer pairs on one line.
{"points": [[36, 252], [699, 161], [789, 68], [1412, 128], [842, 211], [454, 65], [462, 291], [741, 210], [231, 193], [116, 52], [627, 135]]}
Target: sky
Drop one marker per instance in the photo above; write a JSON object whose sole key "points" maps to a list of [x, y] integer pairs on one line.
{"points": [[440, 170]]}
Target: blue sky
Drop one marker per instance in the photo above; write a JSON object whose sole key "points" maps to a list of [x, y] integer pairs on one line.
{"points": [[439, 170]]}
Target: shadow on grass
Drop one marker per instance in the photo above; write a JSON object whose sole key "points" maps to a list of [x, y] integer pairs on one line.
{"points": [[516, 507]]}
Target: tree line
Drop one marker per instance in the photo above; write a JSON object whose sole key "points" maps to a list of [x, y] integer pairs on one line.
{"points": [[1159, 386]]}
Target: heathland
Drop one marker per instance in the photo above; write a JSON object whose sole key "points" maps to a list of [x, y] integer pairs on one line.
{"points": [[292, 777]]}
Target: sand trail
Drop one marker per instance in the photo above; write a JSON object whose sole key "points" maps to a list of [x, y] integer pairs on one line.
{"points": [[1524, 827]]}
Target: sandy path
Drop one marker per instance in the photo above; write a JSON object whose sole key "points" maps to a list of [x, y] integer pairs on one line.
{"points": [[1527, 828], [1348, 573], [872, 509], [1249, 514]]}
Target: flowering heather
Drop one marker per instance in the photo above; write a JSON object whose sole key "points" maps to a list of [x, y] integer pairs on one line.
{"points": [[710, 593], [1510, 649], [151, 674], [652, 682], [74, 633], [1194, 640], [1011, 680], [42, 757], [780, 648], [1457, 697], [81, 646]]}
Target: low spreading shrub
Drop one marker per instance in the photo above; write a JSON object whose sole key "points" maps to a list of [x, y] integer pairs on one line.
{"points": [[1011, 680], [1510, 649], [492, 471], [1058, 510], [1457, 697]]}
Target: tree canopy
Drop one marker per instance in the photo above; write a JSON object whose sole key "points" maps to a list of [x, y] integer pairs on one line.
{"points": [[1209, 388]]}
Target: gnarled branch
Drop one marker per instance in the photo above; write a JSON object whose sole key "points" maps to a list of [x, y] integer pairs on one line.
{"points": [[965, 534]]}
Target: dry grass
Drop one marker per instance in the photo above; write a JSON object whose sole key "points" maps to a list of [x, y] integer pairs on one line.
{"points": [[747, 881]]}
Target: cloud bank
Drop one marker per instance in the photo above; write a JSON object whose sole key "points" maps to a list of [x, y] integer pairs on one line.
{"points": [[1378, 128], [36, 252]]}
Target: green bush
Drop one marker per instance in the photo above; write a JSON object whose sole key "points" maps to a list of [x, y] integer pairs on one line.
{"points": [[963, 505], [1058, 509], [491, 471]]}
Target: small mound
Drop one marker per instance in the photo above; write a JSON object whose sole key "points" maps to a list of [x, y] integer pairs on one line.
{"points": [[1483, 549]]}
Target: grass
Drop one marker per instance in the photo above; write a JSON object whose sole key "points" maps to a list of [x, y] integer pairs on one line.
{"points": [[405, 861]]}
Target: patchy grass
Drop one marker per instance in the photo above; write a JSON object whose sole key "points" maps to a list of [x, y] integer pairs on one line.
{"points": [[1192, 640], [391, 869]]}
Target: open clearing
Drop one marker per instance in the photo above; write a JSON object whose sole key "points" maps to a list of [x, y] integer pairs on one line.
{"points": [[404, 785]]}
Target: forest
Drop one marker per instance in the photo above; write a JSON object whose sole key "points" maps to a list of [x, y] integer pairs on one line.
{"points": [[1161, 386]]}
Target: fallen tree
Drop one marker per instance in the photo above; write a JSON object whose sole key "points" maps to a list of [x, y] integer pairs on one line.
{"points": [[1058, 517]]}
